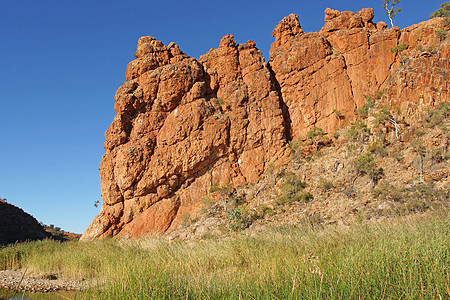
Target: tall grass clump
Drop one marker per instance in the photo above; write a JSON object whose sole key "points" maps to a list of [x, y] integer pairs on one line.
{"points": [[70, 259], [408, 260]]}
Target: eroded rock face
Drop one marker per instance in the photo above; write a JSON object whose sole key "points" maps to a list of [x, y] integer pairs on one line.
{"points": [[185, 124], [423, 80], [330, 69]]}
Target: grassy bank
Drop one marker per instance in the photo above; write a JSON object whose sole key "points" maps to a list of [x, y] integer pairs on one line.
{"points": [[409, 260]]}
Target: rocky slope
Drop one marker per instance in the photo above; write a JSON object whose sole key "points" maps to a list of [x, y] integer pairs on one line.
{"points": [[186, 125], [341, 193], [17, 226]]}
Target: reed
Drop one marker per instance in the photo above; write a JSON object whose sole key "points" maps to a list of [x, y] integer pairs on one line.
{"points": [[408, 260]]}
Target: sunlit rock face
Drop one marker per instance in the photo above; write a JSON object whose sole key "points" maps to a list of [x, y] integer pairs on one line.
{"points": [[183, 124]]}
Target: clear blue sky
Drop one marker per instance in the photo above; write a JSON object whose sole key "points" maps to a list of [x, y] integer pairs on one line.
{"points": [[62, 61]]}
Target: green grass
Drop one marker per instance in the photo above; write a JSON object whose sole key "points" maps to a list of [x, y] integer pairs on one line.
{"points": [[408, 260]]}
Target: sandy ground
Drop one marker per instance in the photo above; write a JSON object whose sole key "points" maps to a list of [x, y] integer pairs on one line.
{"points": [[10, 279]]}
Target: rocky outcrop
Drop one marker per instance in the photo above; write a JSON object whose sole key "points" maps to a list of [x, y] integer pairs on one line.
{"points": [[18, 226], [332, 69], [423, 80], [184, 125]]}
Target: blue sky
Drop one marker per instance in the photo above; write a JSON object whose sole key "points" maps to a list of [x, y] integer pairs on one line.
{"points": [[62, 61]]}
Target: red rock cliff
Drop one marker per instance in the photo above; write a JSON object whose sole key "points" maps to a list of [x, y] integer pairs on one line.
{"points": [[185, 124]]}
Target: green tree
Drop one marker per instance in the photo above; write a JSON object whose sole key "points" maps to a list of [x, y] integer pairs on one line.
{"points": [[441, 34], [399, 49], [438, 115], [317, 135], [370, 102], [236, 220], [365, 164], [390, 10], [338, 116], [419, 148], [443, 11], [292, 190], [225, 192], [296, 148], [358, 132], [385, 115]]}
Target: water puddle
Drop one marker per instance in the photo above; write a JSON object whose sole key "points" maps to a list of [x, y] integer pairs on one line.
{"points": [[63, 295]]}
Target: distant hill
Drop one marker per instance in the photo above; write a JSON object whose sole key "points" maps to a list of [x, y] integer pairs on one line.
{"points": [[18, 226], [61, 235]]}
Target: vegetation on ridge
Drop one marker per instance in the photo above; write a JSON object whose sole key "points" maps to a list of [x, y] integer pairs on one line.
{"points": [[443, 11]]}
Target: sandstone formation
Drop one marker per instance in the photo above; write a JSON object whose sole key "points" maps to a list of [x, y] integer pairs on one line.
{"points": [[330, 69], [184, 125], [18, 226], [424, 80]]}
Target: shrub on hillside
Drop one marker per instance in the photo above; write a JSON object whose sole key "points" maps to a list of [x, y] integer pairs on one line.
{"points": [[378, 149], [358, 132], [292, 190], [235, 220], [436, 116], [370, 102], [365, 165], [410, 199], [325, 185]]}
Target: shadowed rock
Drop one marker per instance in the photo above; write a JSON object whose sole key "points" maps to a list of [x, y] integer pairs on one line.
{"points": [[18, 226]]}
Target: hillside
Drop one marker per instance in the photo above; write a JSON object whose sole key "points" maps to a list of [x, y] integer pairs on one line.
{"points": [[223, 136], [346, 181], [18, 226]]}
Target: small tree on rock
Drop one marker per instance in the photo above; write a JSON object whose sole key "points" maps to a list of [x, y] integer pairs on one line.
{"points": [[292, 190], [365, 164], [399, 49], [441, 34], [388, 6], [338, 116], [419, 148], [385, 115], [443, 11], [296, 147], [317, 135], [225, 192], [358, 132], [370, 102]]}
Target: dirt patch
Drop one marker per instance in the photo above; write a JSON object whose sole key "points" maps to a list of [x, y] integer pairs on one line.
{"points": [[11, 279]]}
